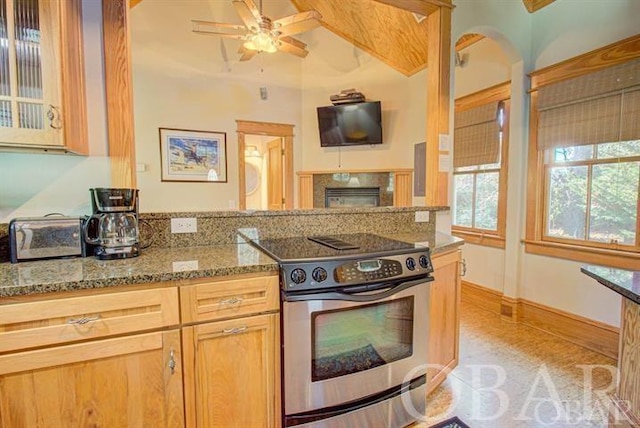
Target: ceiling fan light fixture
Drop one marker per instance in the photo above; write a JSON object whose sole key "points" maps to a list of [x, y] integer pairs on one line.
{"points": [[261, 42]]}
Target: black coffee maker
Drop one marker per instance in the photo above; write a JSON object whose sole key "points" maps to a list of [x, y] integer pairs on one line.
{"points": [[112, 230]]}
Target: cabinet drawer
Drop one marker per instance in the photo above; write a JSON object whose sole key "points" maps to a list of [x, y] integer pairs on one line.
{"points": [[56, 321], [229, 298]]}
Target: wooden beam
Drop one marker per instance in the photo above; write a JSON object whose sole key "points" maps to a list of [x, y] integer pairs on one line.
{"points": [[119, 93], [467, 40], [132, 3], [533, 5], [421, 7], [438, 105]]}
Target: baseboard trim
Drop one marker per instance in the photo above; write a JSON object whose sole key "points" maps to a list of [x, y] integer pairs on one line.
{"points": [[594, 335]]}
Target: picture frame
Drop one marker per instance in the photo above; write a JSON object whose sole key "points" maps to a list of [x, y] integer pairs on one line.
{"points": [[193, 156]]}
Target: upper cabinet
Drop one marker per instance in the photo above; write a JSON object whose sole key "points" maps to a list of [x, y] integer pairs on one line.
{"points": [[42, 87]]}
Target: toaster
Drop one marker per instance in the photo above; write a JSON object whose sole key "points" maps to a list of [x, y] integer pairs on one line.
{"points": [[49, 237]]}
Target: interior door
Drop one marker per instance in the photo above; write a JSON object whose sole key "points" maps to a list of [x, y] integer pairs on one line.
{"points": [[275, 171]]}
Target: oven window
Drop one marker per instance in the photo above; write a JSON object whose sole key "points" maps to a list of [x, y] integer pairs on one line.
{"points": [[360, 338]]}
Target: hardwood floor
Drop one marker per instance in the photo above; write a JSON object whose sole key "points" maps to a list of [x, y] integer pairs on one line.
{"points": [[514, 376]]}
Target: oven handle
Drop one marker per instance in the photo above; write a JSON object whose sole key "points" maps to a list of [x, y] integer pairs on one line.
{"points": [[391, 289]]}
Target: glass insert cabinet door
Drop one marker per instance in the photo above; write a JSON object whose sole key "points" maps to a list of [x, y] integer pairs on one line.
{"points": [[351, 340], [29, 72]]}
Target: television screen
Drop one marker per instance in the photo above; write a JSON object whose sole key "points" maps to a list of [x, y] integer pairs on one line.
{"points": [[350, 124]]}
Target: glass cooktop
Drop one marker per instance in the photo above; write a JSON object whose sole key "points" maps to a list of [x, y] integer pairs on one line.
{"points": [[331, 247]]}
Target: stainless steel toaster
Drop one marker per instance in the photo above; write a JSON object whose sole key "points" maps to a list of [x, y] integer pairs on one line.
{"points": [[47, 237]]}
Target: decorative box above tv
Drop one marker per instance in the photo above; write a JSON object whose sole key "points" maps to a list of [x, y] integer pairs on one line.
{"points": [[350, 124]]}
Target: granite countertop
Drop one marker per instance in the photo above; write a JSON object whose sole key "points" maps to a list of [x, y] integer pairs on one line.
{"points": [[161, 264], [622, 281], [153, 265]]}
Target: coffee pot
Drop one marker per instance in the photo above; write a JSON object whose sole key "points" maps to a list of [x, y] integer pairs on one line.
{"points": [[113, 227]]}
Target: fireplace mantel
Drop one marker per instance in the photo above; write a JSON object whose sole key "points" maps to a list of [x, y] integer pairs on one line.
{"points": [[401, 178]]}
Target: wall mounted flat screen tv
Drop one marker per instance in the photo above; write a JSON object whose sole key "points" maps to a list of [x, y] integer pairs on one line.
{"points": [[350, 124]]}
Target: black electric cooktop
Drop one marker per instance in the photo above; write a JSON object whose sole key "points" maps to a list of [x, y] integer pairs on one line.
{"points": [[331, 247]]}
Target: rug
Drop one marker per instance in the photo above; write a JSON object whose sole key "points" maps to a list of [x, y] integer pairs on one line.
{"points": [[450, 423]]}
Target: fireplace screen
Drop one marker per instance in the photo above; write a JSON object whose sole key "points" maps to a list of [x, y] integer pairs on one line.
{"points": [[347, 197], [351, 340]]}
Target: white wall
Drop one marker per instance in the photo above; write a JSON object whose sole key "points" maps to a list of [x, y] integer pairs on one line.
{"points": [[38, 184], [557, 32]]}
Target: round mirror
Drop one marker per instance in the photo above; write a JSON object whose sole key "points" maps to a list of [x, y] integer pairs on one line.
{"points": [[252, 178]]}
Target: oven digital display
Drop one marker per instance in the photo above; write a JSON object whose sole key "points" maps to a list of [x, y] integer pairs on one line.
{"points": [[369, 265]]}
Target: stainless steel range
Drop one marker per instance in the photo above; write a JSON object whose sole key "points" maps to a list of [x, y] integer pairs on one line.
{"points": [[354, 327]]}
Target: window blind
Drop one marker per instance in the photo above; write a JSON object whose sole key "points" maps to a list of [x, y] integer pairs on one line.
{"points": [[476, 137], [599, 107]]}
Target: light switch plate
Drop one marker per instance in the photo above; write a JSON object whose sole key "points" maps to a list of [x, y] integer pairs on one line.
{"points": [[184, 225], [422, 216]]}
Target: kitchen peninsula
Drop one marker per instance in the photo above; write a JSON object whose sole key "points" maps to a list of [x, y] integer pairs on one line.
{"points": [[627, 284], [184, 325]]}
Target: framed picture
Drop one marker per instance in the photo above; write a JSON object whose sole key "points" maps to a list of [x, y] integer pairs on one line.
{"points": [[187, 155]]}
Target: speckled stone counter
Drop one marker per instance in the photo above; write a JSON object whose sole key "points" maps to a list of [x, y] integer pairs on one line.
{"points": [[161, 264], [624, 282], [153, 265]]}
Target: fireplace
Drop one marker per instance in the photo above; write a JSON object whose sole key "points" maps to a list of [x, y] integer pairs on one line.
{"points": [[347, 197]]}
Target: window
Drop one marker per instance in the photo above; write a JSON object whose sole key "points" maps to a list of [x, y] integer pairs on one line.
{"points": [[479, 176], [592, 194], [584, 158]]}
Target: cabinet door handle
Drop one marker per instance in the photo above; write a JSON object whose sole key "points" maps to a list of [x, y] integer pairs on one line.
{"points": [[172, 361], [83, 320], [234, 330], [232, 301], [463, 266], [53, 114]]}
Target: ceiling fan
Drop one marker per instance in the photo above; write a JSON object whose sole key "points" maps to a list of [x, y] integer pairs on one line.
{"points": [[261, 34]]}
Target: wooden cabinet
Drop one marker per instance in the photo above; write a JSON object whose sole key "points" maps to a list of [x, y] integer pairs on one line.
{"points": [[42, 95], [83, 361], [121, 382], [232, 363], [444, 317], [119, 358]]}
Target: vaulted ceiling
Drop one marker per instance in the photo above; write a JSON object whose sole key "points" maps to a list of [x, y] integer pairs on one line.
{"points": [[394, 31]]}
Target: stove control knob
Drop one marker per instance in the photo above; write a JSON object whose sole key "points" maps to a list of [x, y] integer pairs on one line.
{"points": [[298, 276], [319, 274], [425, 262], [411, 263]]}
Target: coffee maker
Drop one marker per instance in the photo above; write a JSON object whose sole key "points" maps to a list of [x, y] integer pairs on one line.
{"points": [[112, 230]]}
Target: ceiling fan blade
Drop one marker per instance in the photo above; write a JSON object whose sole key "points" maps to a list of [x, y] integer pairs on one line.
{"points": [[247, 54], [197, 23], [293, 46], [248, 12], [220, 34], [298, 23]]}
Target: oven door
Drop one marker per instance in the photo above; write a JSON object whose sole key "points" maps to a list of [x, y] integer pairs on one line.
{"points": [[337, 351]]}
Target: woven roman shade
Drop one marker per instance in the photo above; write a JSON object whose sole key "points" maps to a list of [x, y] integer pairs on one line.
{"points": [[476, 137], [599, 107]]}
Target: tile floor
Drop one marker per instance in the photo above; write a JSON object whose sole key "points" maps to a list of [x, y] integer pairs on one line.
{"points": [[514, 376]]}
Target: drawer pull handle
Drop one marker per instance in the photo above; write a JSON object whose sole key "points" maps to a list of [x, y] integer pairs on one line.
{"points": [[83, 320], [172, 361], [235, 330], [232, 301]]}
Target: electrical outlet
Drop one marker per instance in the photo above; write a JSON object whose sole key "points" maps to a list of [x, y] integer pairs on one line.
{"points": [[422, 216], [184, 225]]}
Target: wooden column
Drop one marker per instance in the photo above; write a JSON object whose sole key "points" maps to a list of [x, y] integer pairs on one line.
{"points": [[438, 105], [119, 92]]}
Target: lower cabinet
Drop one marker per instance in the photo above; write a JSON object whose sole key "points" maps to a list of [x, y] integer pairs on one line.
{"points": [[132, 381], [230, 373], [444, 317]]}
